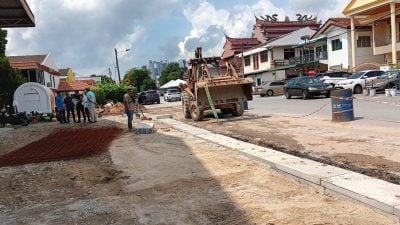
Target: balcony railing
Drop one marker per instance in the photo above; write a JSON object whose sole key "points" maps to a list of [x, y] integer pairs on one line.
{"points": [[385, 40], [309, 58]]}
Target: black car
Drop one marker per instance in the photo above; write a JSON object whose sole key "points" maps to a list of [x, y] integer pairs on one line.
{"points": [[149, 97], [306, 87]]}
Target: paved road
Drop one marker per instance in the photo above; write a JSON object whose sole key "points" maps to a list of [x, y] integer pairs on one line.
{"points": [[377, 111]]}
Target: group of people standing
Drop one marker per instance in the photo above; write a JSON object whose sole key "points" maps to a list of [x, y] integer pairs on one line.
{"points": [[84, 104]]}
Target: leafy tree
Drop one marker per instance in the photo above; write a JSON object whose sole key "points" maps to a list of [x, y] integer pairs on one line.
{"points": [[149, 84], [172, 72], [139, 78], [3, 42], [106, 79], [10, 78]]}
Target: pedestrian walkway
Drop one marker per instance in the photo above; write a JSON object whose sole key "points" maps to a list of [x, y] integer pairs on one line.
{"points": [[329, 179]]}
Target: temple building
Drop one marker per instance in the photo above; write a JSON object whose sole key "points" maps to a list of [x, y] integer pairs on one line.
{"points": [[266, 28]]}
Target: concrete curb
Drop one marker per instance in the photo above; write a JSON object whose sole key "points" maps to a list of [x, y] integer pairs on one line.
{"points": [[373, 192]]}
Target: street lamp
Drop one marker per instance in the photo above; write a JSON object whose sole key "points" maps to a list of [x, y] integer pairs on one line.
{"points": [[116, 61], [305, 38]]}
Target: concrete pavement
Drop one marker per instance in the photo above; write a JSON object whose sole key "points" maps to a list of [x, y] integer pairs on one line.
{"points": [[373, 192]]}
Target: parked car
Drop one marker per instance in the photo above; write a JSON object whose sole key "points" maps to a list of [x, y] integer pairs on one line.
{"points": [[172, 94], [149, 97], [386, 80], [306, 87], [358, 80], [333, 78], [257, 90], [272, 88]]}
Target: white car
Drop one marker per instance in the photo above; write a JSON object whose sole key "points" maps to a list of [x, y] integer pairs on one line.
{"points": [[332, 78], [357, 81], [172, 95]]}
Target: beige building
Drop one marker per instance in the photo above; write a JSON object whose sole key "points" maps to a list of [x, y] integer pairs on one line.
{"points": [[382, 15]]}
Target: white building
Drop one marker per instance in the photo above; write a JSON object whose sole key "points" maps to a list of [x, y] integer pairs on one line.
{"points": [[37, 68], [271, 60], [337, 32], [156, 68]]}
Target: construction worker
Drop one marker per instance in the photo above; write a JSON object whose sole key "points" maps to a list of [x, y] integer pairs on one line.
{"points": [[129, 103]]}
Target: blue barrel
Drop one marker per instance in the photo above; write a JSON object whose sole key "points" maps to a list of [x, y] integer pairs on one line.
{"points": [[342, 105], [245, 105]]}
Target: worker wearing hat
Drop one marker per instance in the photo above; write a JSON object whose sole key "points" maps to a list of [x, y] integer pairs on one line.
{"points": [[129, 103]]}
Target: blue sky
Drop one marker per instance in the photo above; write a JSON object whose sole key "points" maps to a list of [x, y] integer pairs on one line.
{"points": [[82, 34]]}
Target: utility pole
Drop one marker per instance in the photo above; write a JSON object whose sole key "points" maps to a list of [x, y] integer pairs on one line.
{"points": [[116, 61], [109, 73]]}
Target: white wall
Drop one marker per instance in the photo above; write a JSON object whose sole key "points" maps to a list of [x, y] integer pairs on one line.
{"points": [[338, 57], [49, 62], [278, 53], [261, 66]]}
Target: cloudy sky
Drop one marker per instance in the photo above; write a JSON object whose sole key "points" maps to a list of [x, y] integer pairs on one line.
{"points": [[82, 34]]}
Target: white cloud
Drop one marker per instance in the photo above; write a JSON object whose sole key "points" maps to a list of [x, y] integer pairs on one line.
{"points": [[240, 20], [82, 34]]}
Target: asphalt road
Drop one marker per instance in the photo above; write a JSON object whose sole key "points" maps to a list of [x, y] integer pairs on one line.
{"points": [[379, 111]]}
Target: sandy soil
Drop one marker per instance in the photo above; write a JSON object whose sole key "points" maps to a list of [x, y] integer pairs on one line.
{"points": [[167, 178], [366, 149]]}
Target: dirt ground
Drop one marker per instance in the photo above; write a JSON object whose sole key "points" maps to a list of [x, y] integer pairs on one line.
{"points": [[366, 149], [164, 178]]}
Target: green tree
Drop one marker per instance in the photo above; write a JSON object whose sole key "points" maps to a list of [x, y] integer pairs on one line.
{"points": [[139, 77], [172, 72], [3, 42], [149, 84], [106, 79], [10, 78]]}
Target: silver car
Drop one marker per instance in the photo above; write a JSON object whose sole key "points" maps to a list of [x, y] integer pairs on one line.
{"points": [[273, 88]]}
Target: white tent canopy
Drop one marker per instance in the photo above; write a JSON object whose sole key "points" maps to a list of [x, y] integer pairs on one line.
{"points": [[173, 83], [34, 97]]}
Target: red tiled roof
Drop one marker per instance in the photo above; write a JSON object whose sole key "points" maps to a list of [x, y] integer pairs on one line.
{"points": [[27, 58], [345, 22], [88, 82], [72, 86], [30, 62], [242, 41], [24, 65], [236, 45], [340, 22]]}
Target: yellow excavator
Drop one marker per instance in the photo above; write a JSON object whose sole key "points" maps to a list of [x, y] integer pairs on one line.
{"points": [[211, 87]]}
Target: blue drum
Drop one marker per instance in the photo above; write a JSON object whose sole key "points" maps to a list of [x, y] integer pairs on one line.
{"points": [[342, 105]]}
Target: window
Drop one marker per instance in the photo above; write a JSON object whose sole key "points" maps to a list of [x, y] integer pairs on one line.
{"points": [[259, 81], [363, 41], [247, 60], [255, 62], [264, 56], [336, 44], [288, 53]]}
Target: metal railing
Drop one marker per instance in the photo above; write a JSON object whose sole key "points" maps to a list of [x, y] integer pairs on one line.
{"points": [[308, 58]]}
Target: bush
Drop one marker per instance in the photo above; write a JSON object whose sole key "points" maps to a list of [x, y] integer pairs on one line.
{"points": [[100, 95], [115, 92]]}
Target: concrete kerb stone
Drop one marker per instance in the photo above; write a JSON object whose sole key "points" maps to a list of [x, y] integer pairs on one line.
{"points": [[164, 116], [170, 121], [373, 192]]}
